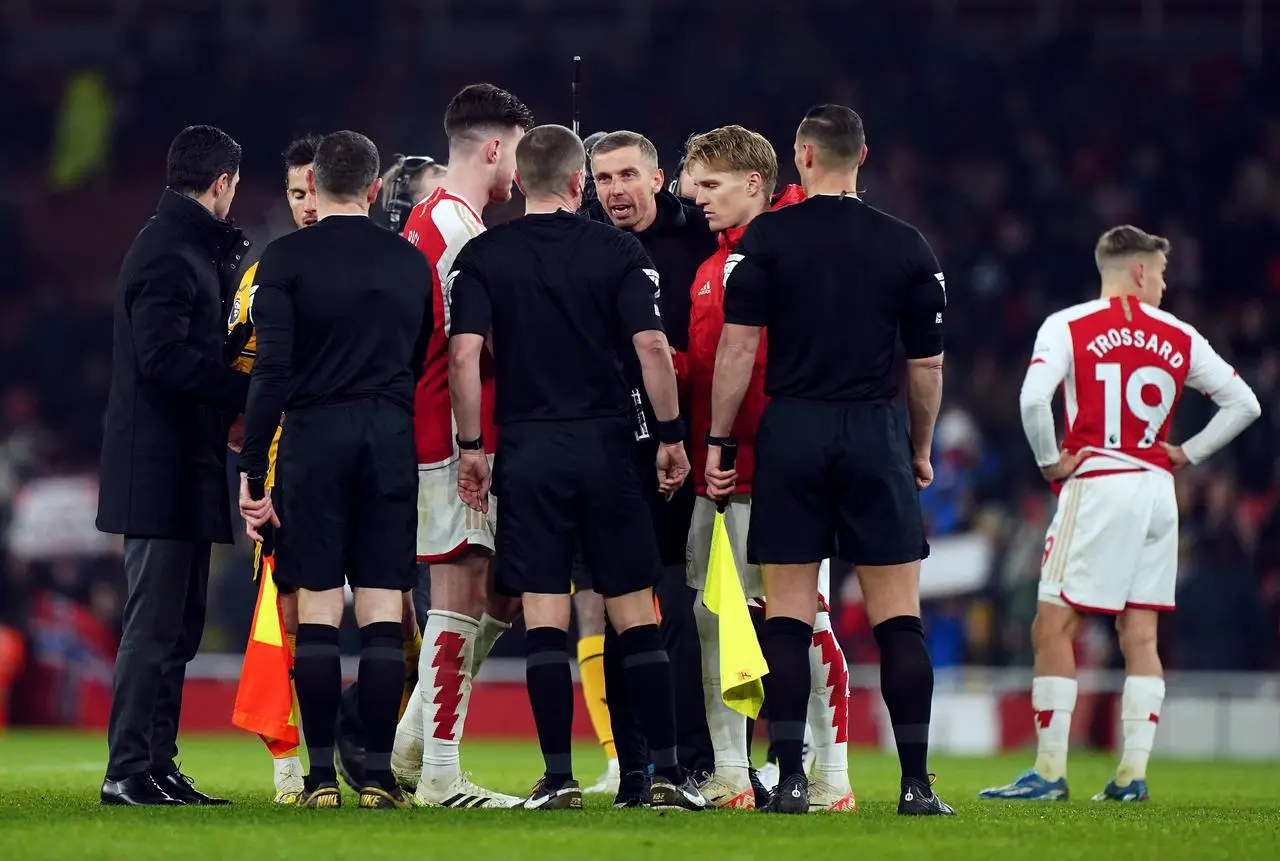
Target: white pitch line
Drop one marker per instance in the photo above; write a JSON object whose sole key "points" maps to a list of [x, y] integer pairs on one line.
{"points": [[49, 767]]}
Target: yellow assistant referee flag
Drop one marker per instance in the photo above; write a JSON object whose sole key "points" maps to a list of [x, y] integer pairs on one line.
{"points": [[742, 664]]}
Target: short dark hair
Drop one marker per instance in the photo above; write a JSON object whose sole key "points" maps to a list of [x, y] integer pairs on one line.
{"points": [[302, 151], [482, 107], [622, 139], [837, 131], [546, 157], [346, 164], [1125, 241], [198, 156]]}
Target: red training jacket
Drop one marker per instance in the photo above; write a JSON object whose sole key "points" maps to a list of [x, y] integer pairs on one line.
{"points": [[697, 367]]}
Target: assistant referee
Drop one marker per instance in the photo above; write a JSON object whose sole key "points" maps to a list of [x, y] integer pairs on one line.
{"points": [[557, 292], [837, 283], [342, 321]]}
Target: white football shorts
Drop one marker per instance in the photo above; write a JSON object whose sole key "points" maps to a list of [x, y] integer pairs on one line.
{"points": [[447, 525], [737, 520], [1113, 544]]}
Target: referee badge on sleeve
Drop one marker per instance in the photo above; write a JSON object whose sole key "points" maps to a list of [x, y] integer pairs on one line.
{"points": [[657, 290], [730, 262], [446, 293]]}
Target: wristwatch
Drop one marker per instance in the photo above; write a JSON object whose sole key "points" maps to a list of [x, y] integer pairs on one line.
{"points": [[476, 444]]}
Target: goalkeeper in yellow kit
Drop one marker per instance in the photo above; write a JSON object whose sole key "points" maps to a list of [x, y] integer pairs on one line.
{"points": [[241, 345]]}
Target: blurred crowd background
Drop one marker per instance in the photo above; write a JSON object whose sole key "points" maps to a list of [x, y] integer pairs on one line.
{"points": [[1012, 132]]}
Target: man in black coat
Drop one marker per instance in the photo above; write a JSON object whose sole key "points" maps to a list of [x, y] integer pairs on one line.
{"points": [[163, 475], [630, 195]]}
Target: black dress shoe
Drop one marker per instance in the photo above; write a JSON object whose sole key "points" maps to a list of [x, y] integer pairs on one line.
{"points": [[181, 787], [136, 790]]}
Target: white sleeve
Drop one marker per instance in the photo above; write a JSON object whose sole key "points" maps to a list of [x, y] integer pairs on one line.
{"points": [[1050, 363], [1238, 406]]}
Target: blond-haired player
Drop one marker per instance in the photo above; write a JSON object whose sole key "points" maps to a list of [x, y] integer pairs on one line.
{"points": [[733, 171]]}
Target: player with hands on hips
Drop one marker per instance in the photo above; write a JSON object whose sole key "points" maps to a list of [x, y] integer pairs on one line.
{"points": [[1112, 547]]}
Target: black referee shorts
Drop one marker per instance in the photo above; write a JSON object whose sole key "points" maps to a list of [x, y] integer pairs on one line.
{"points": [[561, 484], [349, 476], [834, 480]]}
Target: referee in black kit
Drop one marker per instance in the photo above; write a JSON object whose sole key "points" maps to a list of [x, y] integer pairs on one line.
{"points": [[556, 292], [836, 283], [342, 322]]}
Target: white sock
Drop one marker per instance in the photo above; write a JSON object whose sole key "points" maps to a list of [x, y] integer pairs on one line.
{"points": [[1054, 699], [1140, 713], [448, 644], [408, 743], [728, 727], [829, 705], [288, 772], [490, 630]]}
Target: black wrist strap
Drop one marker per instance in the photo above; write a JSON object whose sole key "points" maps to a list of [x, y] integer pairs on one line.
{"points": [[476, 444], [672, 432], [720, 440]]}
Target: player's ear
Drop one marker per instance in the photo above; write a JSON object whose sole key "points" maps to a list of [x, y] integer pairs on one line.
{"points": [[1136, 271], [374, 191], [659, 180], [492, 150], [311, 180], [221, 184], [520, 184], [577, 182], [754, 183], [863, 157]]}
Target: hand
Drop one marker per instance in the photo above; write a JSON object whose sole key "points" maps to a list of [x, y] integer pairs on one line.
{"points": [[256, 512], [923, 471], [474, 480], [1177, 457], [235, 434], [673, 468], [1066, 465], [720, 482]]}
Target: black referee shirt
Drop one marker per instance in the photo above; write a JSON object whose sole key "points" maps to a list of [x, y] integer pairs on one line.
{"points": [[563, 296], [836, 282], [342, 311]]}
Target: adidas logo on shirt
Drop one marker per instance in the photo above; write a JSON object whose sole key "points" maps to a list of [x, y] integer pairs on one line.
{"points": [[705, 289]]}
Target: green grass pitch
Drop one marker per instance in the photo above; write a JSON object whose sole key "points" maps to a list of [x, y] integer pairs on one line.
{"points": [[49, 810]]}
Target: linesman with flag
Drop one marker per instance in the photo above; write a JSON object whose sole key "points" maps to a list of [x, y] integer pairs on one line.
{"points": [[342, 322]]}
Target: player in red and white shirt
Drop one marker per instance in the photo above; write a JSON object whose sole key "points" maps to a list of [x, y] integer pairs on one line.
{"points": [[1113, 544], [484, 124]]}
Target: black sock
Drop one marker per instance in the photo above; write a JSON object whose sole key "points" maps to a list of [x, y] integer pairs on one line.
{"points": [[751, 730], [633, 753], [652, 694], [906, 683], [317, 675], [381, 687], [551, 696], [785, 644]]}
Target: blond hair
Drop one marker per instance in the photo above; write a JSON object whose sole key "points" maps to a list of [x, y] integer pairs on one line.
{"points": [[737, 149], [1125, 241]]}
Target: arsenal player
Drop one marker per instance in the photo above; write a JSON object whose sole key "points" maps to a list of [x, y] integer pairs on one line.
{"points": [[733, 172], [1112, 547], [484, 124]]}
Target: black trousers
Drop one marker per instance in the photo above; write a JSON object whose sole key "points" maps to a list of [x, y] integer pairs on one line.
{"points": [[680, 638], [163, 623]]}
